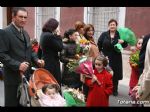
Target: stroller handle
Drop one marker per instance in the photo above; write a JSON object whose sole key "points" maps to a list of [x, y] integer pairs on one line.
{"points": [[24, 78], [33, 68]]}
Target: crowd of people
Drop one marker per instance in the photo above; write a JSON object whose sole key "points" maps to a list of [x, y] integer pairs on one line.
{"points": [[18, 54]]}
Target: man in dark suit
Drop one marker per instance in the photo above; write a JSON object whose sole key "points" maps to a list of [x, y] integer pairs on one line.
{"points": [[16, 55]]}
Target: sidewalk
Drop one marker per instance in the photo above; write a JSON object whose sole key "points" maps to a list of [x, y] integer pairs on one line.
{"points": [[123, 84]]}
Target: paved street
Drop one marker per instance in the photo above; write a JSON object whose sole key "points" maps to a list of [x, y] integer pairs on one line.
{"points": [[123, 95], [114, 101], [123, 91], [123, 86]]}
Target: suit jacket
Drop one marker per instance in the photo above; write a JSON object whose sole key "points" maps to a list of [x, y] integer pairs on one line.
{"points": [[144, 80], [13, 51]]}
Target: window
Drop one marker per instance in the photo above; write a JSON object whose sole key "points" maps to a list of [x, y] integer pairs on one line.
{"points": [[99, 17], [42, 15]]}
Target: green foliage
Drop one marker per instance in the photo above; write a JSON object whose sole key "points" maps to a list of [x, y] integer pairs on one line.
{"points": [[134, 58]]}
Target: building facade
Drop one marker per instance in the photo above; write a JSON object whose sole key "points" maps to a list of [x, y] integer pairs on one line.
{"points": [[136, 18]]}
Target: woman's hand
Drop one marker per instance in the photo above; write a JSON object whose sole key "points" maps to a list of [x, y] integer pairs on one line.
{"points": [[57, 32], [137, 94], [120, 41], [135, 88]]}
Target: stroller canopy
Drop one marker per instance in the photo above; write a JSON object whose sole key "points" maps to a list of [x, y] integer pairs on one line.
{"points": [[40, 78]]}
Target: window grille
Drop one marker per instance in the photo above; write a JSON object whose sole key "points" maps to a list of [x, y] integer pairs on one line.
{"points": [[99, 17], [42, 15]]}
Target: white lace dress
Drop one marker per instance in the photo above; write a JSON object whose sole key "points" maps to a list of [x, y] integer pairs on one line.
{"points": [[46, 101]]}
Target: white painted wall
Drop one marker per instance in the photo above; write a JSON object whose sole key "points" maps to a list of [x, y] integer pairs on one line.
{"points": [[122, 14], [57, 14], [85, 19], [1, 17]]}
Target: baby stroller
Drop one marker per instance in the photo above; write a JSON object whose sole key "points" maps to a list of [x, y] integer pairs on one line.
{"points": [[28, 90], [40, 77]]}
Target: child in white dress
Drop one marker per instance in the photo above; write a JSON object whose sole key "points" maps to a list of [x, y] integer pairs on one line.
{"points": [[50, 97]]}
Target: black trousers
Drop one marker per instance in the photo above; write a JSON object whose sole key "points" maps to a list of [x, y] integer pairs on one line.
{"points": [[115, 85], [11, 99]]}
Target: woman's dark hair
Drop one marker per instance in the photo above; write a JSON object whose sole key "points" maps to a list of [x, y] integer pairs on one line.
{"points": [[113, 20], [50, 25], [103, 59], [50, 86], [69, 32], [86, 29], [16, 9]]}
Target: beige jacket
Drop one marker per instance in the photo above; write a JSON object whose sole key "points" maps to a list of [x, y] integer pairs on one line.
{"points": [[144, 80], [94, 51]]}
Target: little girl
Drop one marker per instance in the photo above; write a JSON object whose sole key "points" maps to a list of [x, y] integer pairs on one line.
{"points": [[50, 97], [134, 72], [100, 86]]}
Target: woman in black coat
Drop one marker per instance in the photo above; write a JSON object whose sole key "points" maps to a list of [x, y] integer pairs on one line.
{"points": [[106, 43], [71, 79], [51, 44]]}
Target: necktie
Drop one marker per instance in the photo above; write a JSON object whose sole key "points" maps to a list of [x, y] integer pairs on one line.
{"points": [[21, 33], [23, 37]]}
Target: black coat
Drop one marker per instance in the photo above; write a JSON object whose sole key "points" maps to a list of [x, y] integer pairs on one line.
{"points": [[106, 46], [13, 51], [51, 45], [70, 79], [142, 53]]}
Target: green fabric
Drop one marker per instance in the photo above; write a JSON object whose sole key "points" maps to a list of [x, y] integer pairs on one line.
{"points": [[71, 101], [118, 47], [127, 35]]}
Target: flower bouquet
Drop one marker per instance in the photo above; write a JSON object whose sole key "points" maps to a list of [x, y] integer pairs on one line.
{"points": [[86, 68], [81, 54], [74, 97], [134, 59], [72, 65], [83, 47]]}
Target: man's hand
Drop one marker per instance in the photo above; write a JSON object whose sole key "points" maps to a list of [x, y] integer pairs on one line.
{"points": [[40, 63], [23, 66]]}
